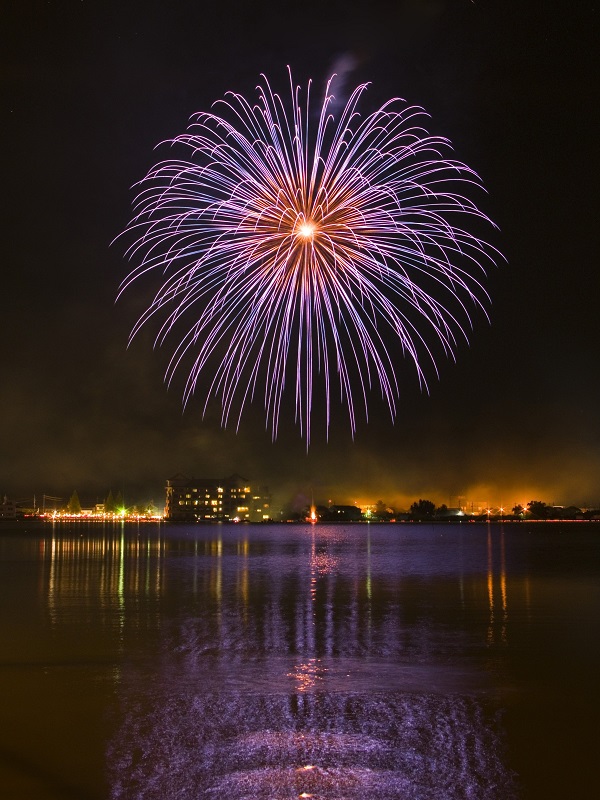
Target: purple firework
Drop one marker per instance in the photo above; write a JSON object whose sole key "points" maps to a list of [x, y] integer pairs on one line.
{"points": [[315, 252]]}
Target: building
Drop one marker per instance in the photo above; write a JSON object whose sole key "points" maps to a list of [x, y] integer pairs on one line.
{"points": [[343, 514], [8, 509], [230, 499], [450, 513]]}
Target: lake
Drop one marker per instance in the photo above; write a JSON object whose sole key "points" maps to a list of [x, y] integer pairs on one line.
{"points": [[413, 661]]}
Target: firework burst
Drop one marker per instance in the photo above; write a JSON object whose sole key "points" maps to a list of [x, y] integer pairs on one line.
{"points": [[307, 253]]}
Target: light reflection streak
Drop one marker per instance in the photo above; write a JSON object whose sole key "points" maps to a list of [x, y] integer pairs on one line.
{"points": [[121, 581], [216, 573], [243, 576], [369, 562], [104, 572], [52, 583], [369, 588], [461, 579], [503, 590], [311, 636], [492, 624], [308, 675], [528, 598], [310, 611], [490, 587]]}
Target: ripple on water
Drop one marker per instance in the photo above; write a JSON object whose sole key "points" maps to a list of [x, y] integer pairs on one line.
{"points": [[328, 747]]}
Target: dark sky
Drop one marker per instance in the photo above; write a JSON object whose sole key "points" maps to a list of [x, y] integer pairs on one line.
{"points": [[89, 88]]}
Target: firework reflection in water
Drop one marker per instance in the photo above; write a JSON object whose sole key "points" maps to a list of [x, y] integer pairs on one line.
{"points": [[330, 746], [308, 255]]}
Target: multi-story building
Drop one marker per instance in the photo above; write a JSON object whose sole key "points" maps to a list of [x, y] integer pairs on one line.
{"points": [[8, 509], [209, 499]]}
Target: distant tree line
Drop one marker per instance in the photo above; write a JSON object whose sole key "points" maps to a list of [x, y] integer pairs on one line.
{"points": [[423, 510], [538, 509]]}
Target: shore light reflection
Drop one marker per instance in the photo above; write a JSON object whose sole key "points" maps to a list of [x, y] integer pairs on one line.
{"points": [[492, 624], [122, 653]]}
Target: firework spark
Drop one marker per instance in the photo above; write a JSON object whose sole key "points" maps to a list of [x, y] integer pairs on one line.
{"points": [[307, 251]]}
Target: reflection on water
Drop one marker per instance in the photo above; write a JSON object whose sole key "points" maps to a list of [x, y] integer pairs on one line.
{"points": [[305, 667], [275, 662], [497, 627], [94, 569], [323, 745], [308, 674]]}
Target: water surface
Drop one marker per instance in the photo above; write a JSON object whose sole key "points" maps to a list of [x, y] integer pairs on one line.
{"points": [[358, 661]]}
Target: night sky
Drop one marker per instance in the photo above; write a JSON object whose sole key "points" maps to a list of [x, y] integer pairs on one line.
{"points": [[88, 90]]}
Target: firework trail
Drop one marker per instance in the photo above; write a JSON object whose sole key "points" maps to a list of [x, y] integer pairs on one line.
{"points": [[310, 253]]}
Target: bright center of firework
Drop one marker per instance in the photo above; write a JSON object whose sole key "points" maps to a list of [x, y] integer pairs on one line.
{"points": [[306, 230]]}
